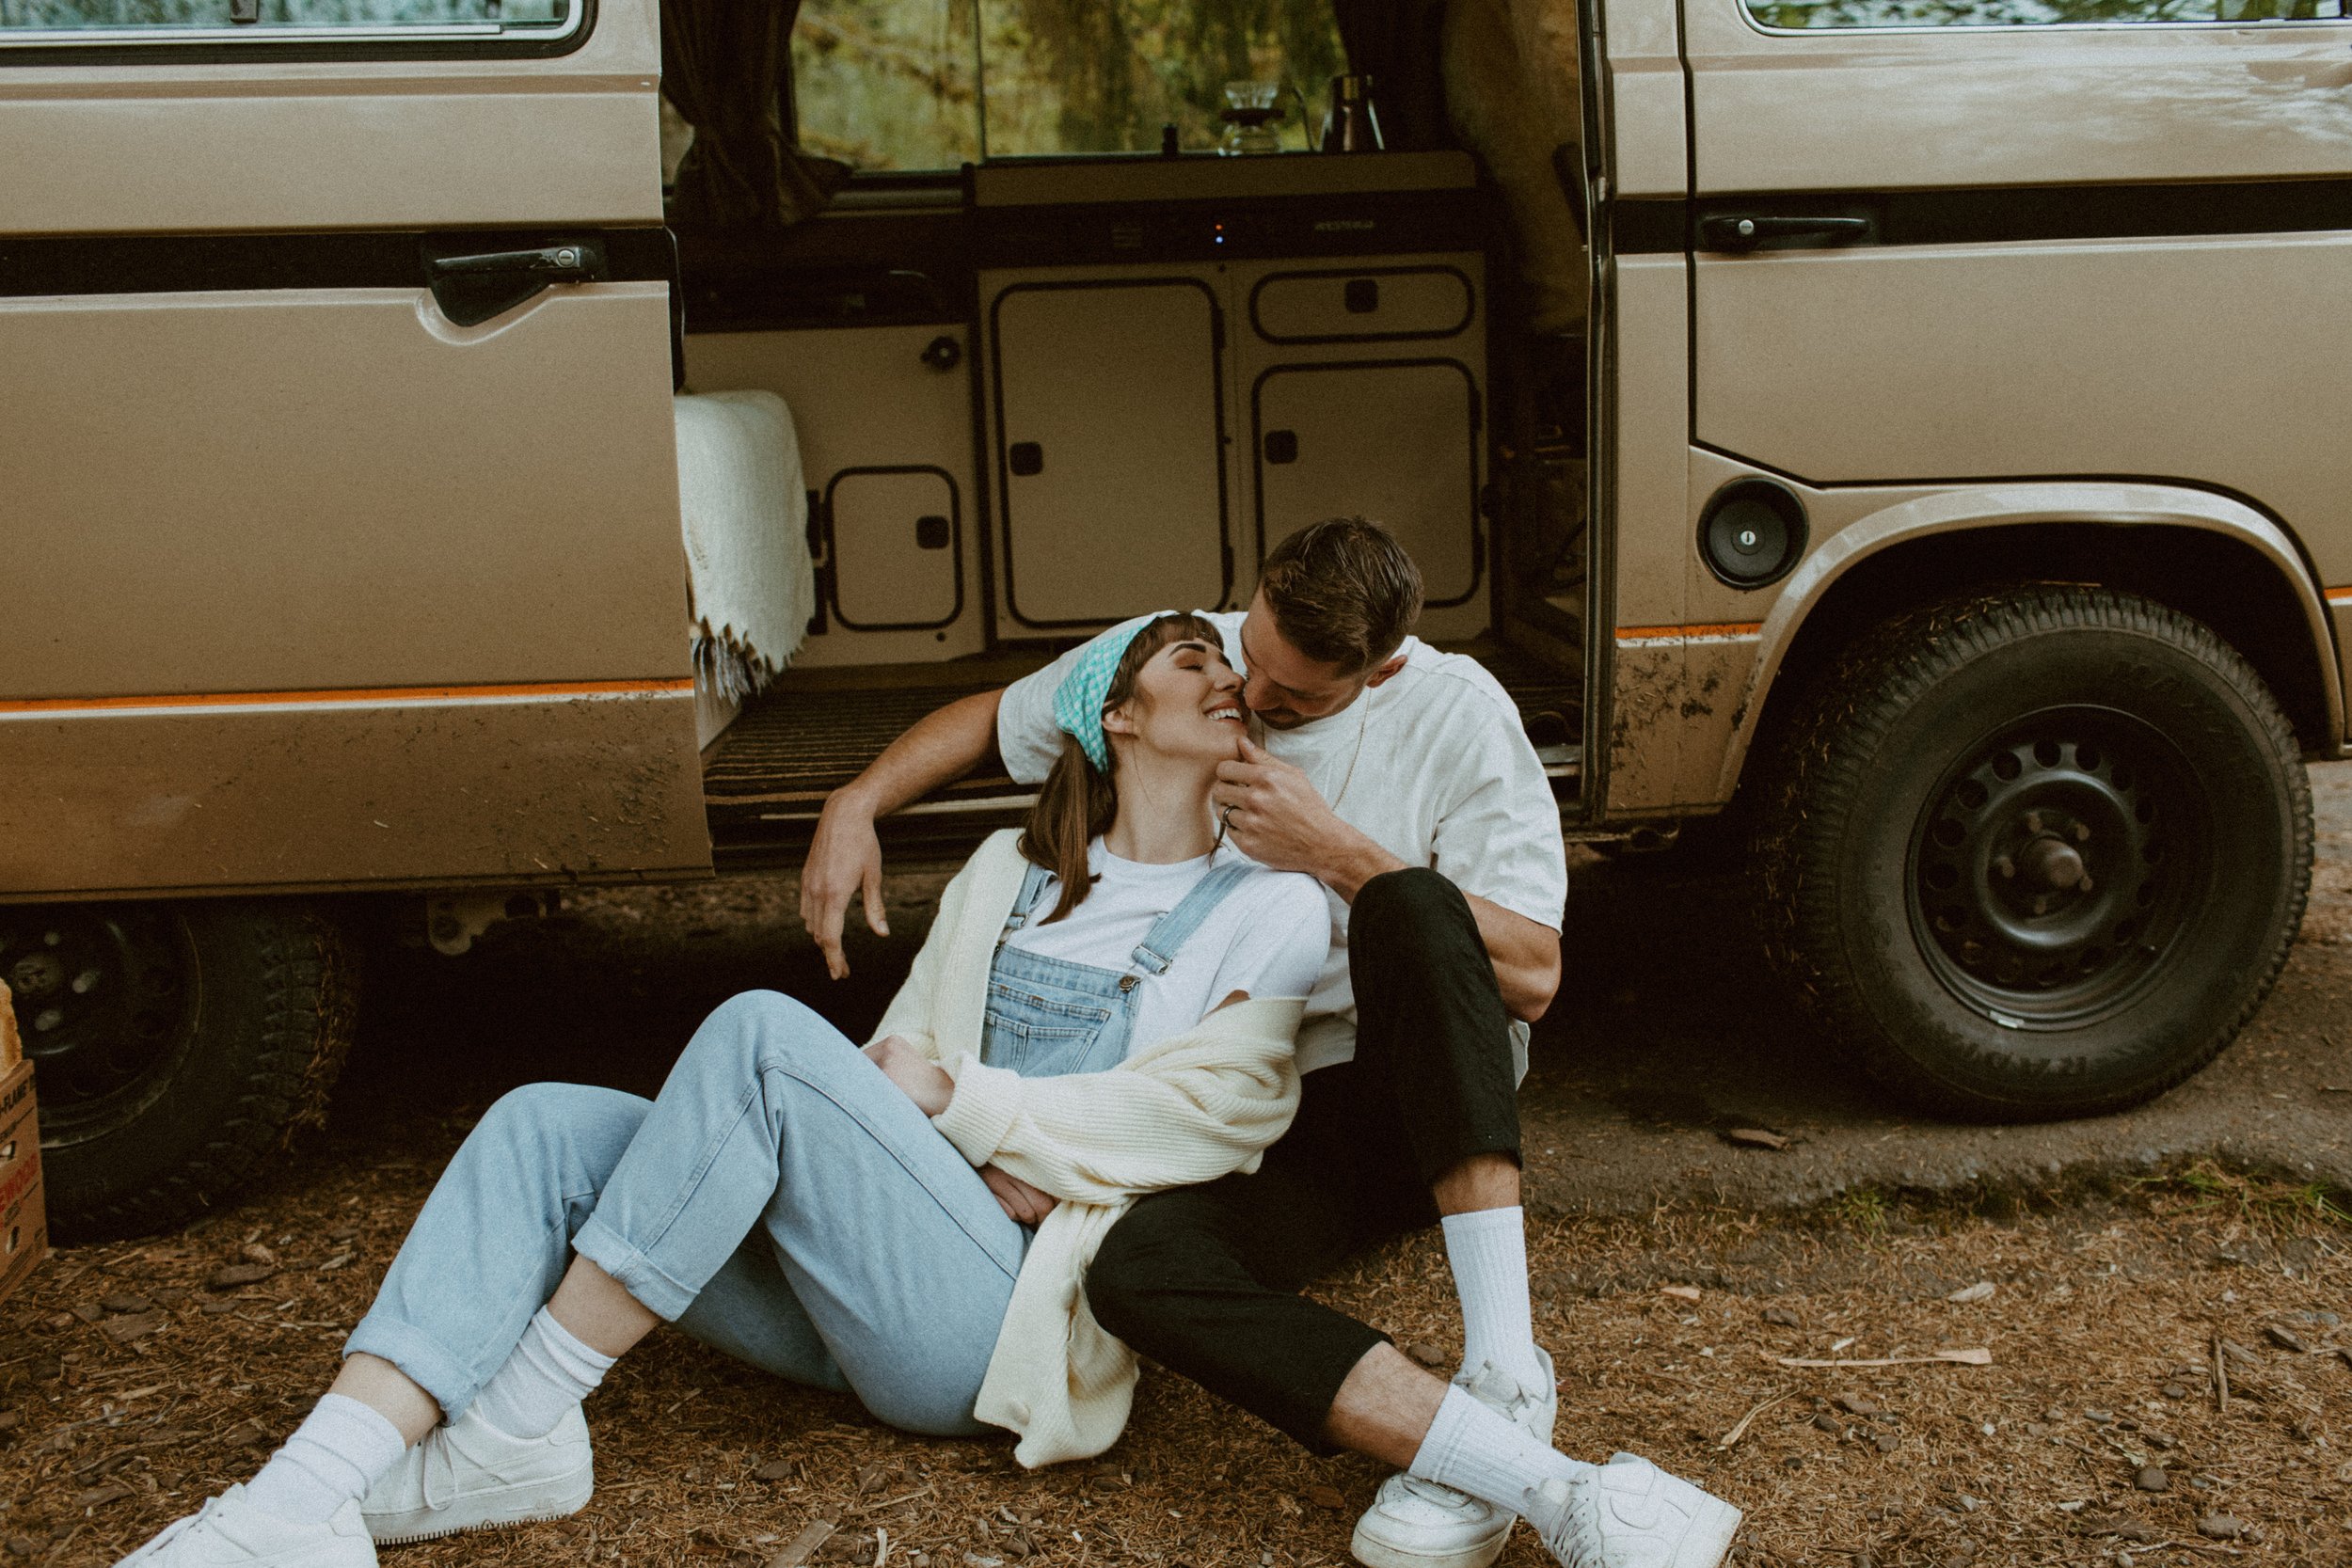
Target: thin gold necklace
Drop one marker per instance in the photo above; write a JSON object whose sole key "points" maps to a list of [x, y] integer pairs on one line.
{"points": [[1364, 722]]}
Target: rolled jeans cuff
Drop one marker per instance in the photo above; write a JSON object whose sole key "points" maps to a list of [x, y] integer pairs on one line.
{"points": [[419, 1359], [637, 1273]]}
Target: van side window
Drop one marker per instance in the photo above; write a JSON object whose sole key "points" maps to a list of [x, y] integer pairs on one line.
{"points": [[887, 84], [931, 84], [1821, 14], [162, 21]]}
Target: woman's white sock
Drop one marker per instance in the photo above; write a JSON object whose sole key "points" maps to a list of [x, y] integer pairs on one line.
{"points": [[334, 1456], [550, 1371], [1487, 1249], [1476, 1450]]}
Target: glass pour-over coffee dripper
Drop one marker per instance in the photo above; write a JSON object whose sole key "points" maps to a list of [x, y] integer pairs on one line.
{"points": [[1251, 113]]}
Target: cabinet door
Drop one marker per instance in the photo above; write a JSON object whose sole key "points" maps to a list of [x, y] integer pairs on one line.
{"points": [[895, 541], [1110, 448], [1392, 440]]}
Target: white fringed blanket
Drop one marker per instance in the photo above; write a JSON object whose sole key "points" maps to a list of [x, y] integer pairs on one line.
{"points": [[750, 586]]}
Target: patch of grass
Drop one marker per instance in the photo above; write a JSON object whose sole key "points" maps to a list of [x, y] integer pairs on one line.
{"points": [[2274, 1205], [1863, 1208]]}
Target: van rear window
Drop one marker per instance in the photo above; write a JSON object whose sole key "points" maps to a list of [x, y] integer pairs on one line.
{"points": [[915, 84], [260, 21], [1819, 14]]}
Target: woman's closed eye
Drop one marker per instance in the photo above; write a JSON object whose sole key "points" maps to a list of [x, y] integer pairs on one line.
{"points": [[1198, 656]]}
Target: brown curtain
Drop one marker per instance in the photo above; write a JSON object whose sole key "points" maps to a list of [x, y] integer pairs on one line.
{"points": [[728, 67], [1396, 43]]}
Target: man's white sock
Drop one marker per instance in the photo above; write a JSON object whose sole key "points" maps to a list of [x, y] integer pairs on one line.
{"points": [[334, 1456], [550, 1371], [1476, 1450], [1487, 1249]]}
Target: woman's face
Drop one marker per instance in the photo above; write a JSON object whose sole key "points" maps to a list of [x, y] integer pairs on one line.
{"points": [[1186, 704]]}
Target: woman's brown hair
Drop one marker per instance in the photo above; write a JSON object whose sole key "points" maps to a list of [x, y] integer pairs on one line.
{"points": [[1078, 804]]}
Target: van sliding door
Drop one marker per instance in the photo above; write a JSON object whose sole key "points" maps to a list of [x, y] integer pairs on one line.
{"points": [[318, 574]]}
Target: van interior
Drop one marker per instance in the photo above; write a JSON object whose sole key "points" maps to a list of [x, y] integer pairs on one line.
{"points": [[1038, 388]]}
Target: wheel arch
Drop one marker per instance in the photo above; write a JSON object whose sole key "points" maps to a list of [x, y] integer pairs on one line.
{"points": [[2206, 555]]}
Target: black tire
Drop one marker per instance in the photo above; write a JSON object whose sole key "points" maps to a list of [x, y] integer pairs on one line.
{"points": [[1939, 784], [176, 1046]]}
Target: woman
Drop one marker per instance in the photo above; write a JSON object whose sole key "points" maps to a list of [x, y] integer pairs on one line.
{"points": [[1105, 1005]]}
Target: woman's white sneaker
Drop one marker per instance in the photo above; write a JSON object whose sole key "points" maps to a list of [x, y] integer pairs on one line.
{"points": [[233, 1531], [1629, 1513], [1420, 1524], [468, 1475]]}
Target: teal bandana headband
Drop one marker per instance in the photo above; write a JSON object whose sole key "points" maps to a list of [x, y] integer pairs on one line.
{"points": [[1078, 700]]}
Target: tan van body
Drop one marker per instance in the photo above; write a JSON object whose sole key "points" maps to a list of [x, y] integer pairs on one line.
{"points": [[311, 590]]}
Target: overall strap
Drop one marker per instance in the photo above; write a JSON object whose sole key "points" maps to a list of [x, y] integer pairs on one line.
{"points": [[1169, 933], [1032, 888]]}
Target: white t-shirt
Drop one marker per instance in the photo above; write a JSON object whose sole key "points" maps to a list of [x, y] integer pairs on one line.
{"points": [[1267, 936], [1433, 765]]}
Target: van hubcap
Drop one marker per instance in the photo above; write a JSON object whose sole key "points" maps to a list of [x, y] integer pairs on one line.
{"points": [[2054, 867], [104, 1000]]}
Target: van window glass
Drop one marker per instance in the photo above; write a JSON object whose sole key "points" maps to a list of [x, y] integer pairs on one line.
{"points": [[73, 16], [1104, 75], [887, 84], [1817, 14], [932, 83]]}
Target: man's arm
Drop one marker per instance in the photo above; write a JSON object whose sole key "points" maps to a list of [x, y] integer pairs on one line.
{"points": [[1275, 817], [844, 860]]}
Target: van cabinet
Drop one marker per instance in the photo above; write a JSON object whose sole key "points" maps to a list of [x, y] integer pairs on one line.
{"points": [[884, 419], [1394, 439], [1110, 449], [1188, 360], [1361, 391]]}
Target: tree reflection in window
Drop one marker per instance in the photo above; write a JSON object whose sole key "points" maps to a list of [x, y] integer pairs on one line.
{"points": [[931, 84]]}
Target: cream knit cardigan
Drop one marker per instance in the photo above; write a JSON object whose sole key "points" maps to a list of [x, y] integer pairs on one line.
{"points": [[1187, 1109]]}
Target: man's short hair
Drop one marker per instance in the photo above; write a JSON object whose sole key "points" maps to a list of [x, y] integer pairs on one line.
{"points": [[1343, 591]]}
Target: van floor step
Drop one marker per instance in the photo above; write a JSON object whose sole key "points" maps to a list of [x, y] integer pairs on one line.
{"points": [[766, 779]]}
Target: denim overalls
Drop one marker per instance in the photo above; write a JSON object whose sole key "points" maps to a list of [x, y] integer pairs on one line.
{"points": [[782, 1201], [1050, 1017]]}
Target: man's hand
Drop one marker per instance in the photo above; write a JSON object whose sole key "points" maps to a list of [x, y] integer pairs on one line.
{"points": [[1274, 815], [922, 1080], [844, 862], [1023, 1203]]}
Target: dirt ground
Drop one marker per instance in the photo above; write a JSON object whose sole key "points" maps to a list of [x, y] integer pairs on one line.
{"points": [[2126, 1263], [130, 1391]]}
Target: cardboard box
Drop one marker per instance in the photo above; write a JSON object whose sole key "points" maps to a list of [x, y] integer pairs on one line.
{"points": [[23, 1226]]}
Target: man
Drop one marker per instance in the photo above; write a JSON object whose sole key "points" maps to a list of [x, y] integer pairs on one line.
{"points": [[1400, 778]]}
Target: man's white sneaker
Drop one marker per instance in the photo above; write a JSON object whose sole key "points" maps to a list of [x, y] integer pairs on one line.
{"points": [[1419, 1524], [1629, 1513], [233, 1531], [468, 1475]]}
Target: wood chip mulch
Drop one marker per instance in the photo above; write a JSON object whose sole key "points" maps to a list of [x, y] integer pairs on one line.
{"points": [[2168, 1382]]}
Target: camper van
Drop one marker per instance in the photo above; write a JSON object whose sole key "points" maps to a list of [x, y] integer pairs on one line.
{"points": [[454, 451]]}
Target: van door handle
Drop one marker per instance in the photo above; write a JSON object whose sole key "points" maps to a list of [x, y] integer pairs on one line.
{"points": [[471, 289], [1741, 231]]}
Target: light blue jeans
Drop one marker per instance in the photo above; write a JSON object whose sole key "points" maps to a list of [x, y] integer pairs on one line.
{"points": [[781, 1201]]}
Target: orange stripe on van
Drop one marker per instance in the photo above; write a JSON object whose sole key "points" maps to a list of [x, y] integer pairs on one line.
{"points": [[1651, 634], [355, 694], [2341, 597]]}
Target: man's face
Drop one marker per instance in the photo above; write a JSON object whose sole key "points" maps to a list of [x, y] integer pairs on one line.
{"points": [[1284, 687]]}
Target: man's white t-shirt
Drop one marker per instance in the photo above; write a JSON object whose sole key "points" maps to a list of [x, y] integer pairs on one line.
{"points": [[1433, 765], [1267, 936]]}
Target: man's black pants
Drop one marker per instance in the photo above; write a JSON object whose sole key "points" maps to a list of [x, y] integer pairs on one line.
{"points": [[1204, 1279]]}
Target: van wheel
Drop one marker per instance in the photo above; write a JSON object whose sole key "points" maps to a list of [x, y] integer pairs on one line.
{"points": [[174, 1047], [2035, 853]]}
